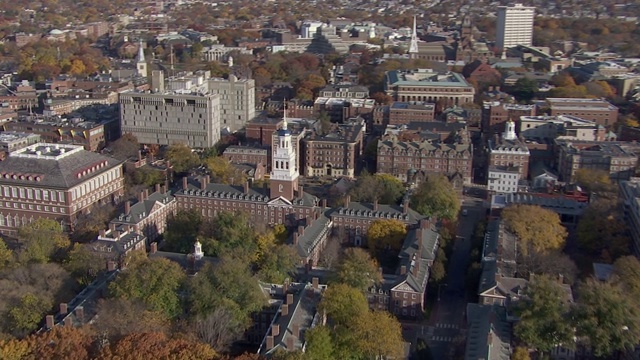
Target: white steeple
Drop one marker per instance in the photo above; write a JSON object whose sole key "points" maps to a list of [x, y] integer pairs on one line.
{"points": [[413, 47], [197, 251], [509, 131], [141, 64], [284, 166]]}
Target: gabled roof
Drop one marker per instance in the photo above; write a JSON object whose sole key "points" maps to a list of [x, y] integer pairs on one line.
{"points": [[489, 334], [383, 212], [313, 234], [144, 208]]}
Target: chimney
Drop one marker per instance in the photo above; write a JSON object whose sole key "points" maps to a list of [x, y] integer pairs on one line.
{"points": [[295, 238], [289, 299], [275, 330], [295, 330], [141, 196], [347, 200], [111, 265], [285, 287], [300, 191], [269, 342], [80, 313], [50, 321], [300, 229], [157, 188], [102, 233], [139, 155], [127, 207], [63, 308], [416, 264], [425, 224], [324, 203], [203, 183], [184, 183], [284, 310], [405, 206], [375, 205], [246, 187], [146, 194], [315, 282], [403, 269], [153, 248], [116, 235], [166, 185], [112, 226], [290, 342]]}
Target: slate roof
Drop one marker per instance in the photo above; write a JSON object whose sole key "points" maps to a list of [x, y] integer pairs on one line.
{"points": [[360, 209], [142, 210], [56, 171], [313, 234], [489, 333]]}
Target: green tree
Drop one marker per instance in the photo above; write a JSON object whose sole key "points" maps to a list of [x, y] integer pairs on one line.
{"points": [[155, 282], [525, 89], [25, 316], [182, 158], [7, 257], [594, 180], [84, 263], [343, 304], [386, 234], [627, 274], [537, 229], [602, 231], [520, 353], [358, 270], [277, 263], [436, 197], [605, 316], [41, 240], [229, 231], [544, 315], [182, 231], [319, 343], [229, 284], [384, 188], [125, 147]]}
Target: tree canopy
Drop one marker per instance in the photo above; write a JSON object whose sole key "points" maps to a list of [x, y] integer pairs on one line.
{"points": [[343, 303], [155, 282], [537, 229], [40, 241], [602, 232], [435, 196], [358, 270], [594, 180], [386, 234], [544, 313], [182, 158], [224, 172], [384, 188]]}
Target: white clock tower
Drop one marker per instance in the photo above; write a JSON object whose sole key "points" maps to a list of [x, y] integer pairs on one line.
{"points": [[284, 170]]}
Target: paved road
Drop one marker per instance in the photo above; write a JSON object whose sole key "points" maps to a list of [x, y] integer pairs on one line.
{"points": [[448, 316]]}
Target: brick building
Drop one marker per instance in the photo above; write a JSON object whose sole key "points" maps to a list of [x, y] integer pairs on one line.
{"points": [[238, 154], [60, 130], [55, 181], [336, 153], [261, 130], [496, 113], [598, 110], [404, 113], [411, 161], [508, 150], [618, 161]]}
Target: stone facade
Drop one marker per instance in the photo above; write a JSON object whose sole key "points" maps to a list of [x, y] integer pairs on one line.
{"points": [[427, 85]]}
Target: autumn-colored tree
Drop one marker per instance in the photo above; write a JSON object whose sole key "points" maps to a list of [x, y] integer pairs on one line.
{"points": [[382, 98], [562, 79], [61, 342], [343, 304], [224, 172], [520, 353], [594, 180], [435, 196], [602, 231], [386, 234], [358, 270], [378, 335], [219, 329], [319, 344], [116, 318], [182, 158], [125, 147], [14, 349], [155, 282], [537, 229], [156, 345]]}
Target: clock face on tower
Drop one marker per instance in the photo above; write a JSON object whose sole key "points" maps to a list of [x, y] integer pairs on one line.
{"points": [[280, 188]]}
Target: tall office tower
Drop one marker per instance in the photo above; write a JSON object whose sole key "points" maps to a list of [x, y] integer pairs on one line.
{"points": [[237, 101], [515, 26]]}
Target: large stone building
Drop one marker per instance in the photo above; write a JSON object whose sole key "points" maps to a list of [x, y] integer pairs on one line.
{"points": [[598, 110], [336, 153], [610, 157], [11, 141], [508, 150], [412, 161], [404, 113], [564, 127], [237, 101], [170, 118], [57, 182], [428, 85]]}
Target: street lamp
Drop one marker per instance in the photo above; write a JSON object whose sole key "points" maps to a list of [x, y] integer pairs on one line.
{"points": [[439, 290]]}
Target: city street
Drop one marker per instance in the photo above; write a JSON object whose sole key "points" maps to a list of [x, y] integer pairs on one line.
{"points": [[447, 319]]}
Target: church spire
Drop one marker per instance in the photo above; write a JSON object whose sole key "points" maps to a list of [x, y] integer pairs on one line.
{"points": [[413, 47], [140, 52]]}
